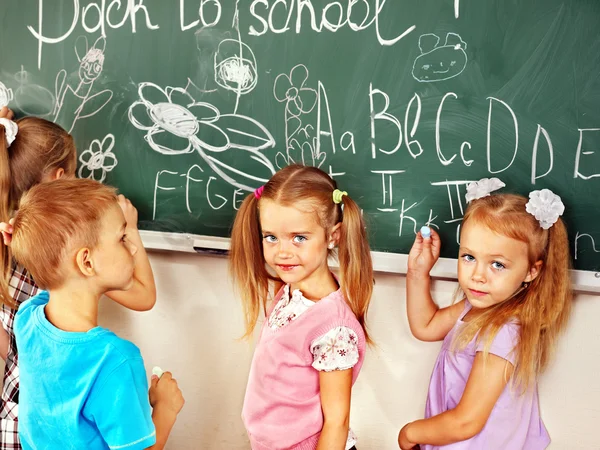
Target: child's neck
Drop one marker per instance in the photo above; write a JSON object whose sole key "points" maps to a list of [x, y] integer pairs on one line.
{"points": [[73, 309]]}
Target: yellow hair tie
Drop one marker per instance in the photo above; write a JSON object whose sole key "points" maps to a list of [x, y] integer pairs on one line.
{"points": [[337, 196]]}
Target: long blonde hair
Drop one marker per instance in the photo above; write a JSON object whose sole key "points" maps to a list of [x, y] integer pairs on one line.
{"points": [[39, 148], [288, 187], [543, 308]]}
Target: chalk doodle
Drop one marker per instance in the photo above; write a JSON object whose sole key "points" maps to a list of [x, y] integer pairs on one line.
{"points": [[235, 64], [90, 68], [6, 95], [439, 62], [175, 124], [299, 100], [98, 159]]}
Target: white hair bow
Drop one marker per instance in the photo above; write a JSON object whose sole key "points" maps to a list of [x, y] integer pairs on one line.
{"points": [[545, 206], [482, 188], [11, 129]]}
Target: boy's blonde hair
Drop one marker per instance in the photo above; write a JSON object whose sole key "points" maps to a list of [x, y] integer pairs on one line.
{"points": [[543, 308], [298, 185], [54, 217], [39, 148]]}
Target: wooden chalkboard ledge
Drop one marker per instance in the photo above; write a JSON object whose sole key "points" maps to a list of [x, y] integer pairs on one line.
{"points": [[583, 281]]}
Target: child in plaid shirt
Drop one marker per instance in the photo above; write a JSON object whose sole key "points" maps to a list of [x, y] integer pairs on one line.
{"points": [[34, 150]]}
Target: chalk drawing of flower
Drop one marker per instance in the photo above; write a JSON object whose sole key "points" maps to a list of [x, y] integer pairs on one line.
{"points": [[98, 159], [175, 123], [291, 89], [235, 66]]}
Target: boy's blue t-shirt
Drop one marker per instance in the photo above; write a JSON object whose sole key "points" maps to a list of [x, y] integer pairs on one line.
{"points": [[79, 390]]}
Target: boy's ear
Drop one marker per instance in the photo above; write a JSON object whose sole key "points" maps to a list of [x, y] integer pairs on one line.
{"points": [[534, 271], [335, 234], [85, 263]]}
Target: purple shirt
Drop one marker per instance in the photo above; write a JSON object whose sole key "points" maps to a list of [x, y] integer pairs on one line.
{"points": [[515, 421]]}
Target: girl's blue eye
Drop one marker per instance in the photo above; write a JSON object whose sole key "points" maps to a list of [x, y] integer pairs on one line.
{"points": [[299, 239], [467, 258], [498, 265], [270, 239]]}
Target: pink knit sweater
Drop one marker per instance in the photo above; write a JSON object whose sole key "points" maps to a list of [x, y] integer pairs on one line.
{"points": [[282, 407]]}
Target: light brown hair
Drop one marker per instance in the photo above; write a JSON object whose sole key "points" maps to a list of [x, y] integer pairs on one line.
{"points": [[313, 188], [56, 217], [543, 308], [40, 148]]}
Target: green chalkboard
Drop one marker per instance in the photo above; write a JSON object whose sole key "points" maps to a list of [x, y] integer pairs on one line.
{"points": [[186, 105]]}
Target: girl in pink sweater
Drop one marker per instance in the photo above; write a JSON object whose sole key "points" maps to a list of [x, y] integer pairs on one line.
{"points": [[312, 343]]}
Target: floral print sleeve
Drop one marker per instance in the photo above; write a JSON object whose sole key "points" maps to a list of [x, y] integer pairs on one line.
{"points": [[335, 350]]}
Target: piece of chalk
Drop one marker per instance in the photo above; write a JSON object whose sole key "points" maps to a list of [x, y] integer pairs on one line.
{"points": [[157, 371], [426, 232]]}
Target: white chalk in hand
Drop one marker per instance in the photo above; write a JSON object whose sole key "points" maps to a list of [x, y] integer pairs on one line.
{"points": [[426, 232], [157, 371]]}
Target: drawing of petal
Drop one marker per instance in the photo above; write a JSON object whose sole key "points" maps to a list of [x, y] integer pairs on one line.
{"points": [[257, 168], [298, 76], [204, 112], [167, 143], [85, 172], [281, 86], [245, 133], [309, 99], [110, 161], [98, 174], [139, 116], [86, 156], [150, 93], [293, 107], [107, 143], [211, 138], [179, 96]]}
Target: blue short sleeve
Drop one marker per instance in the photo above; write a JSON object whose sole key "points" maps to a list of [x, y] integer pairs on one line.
{"points": [[505, 343], [121, 410]]}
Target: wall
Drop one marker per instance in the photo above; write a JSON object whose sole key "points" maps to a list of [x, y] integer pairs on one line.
{"points": [[192, 331]]}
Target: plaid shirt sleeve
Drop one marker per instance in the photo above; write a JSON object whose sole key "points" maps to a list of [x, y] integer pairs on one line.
{"points": [[21, 288]]}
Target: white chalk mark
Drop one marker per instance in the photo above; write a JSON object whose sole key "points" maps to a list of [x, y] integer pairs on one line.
{"points": [[466, 162], [6, 95], [438, 148], [439, 62], [390, 190], [383, 114], [169, 117], [577, 173], [98, 159], [189, 178], [459, 197], [299, 100], [90, 68], [414, 127], [28, 93], [535, 151], [234, 71], [580, 235], [403, 216], [456, 8], [162, 188], [216, 195], [489, 134]]}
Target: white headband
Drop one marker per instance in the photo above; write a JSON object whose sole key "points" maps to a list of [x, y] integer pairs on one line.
{"points": [[11, 129], [544, 204]]}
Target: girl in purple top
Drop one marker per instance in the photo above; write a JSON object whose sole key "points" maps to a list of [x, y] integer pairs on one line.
{"points": [[513, 270]]}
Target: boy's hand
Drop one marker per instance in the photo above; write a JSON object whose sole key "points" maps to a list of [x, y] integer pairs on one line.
{"points": [[164, 392], [6, 113], [424, 253], [7, 230], [129, 211]]}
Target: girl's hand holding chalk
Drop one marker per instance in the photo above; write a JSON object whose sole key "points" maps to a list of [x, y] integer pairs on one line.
{"points": [[424, 252]]}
